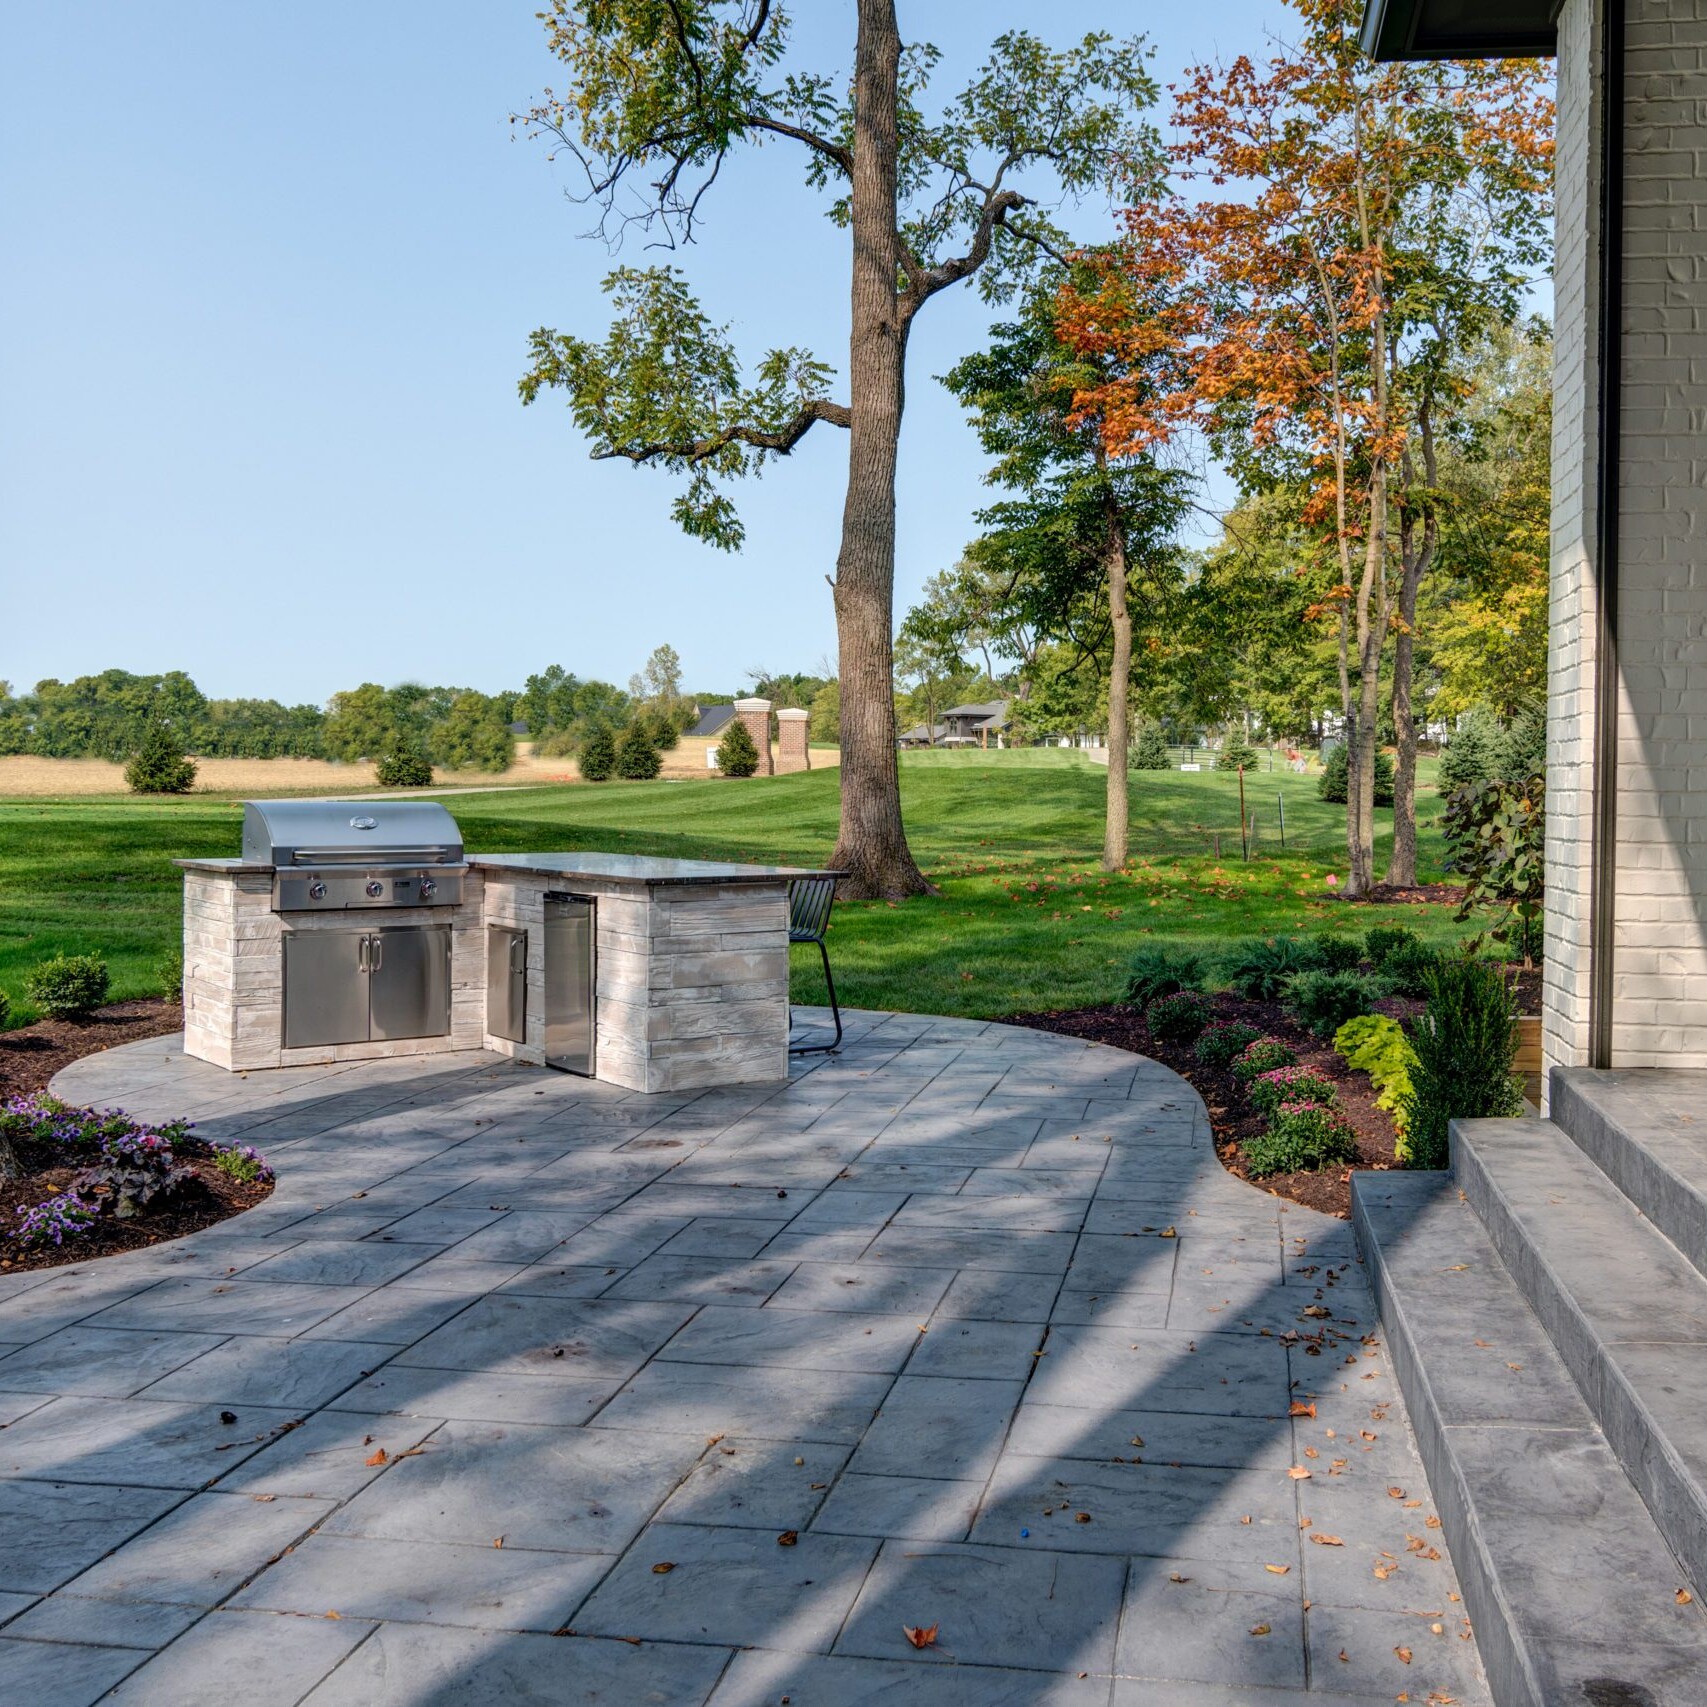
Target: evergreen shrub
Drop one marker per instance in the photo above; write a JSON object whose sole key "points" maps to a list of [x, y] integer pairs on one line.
{"points": [[1218, 1045], [1259, 967], [1178, 1018], [1151, 753], [1466, 1044], [1323, 1001], [1334, 784], [1159, 969], [597, 758], [159, 765], [737, 752], [637, 755], [68, 986]]}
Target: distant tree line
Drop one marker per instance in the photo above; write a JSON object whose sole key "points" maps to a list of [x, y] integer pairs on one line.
{"points": [[115, 715]]}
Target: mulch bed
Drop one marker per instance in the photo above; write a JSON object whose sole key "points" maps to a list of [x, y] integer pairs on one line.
{"points": [[1230, 1113], [29, 1057]]}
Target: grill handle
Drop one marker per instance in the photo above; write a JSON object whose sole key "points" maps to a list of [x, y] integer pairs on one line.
{"points": [[376, 856]]}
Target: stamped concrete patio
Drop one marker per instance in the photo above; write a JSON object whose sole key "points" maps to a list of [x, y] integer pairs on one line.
{"points": [[523, 1389]]}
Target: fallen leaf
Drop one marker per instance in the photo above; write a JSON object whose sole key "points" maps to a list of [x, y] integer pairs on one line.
{"points": [[263, 1499], [1175, 1577], [663, 1567], [373, 1460], [334, 1615], [1324, 1540], [1081, 1517], [1298, 1473], [924, 1637], [1259, 1629], [1300, 1409], [497, 1541], [1278, 1570], [1684, 1597], [1404, 1655], [788, 1538]]}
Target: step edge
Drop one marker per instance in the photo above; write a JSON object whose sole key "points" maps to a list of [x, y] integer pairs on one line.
{"points": [[1604, 1140], [1677, 1500]]}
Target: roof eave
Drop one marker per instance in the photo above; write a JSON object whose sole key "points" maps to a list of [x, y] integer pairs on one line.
{"points": [[1400, 29]]}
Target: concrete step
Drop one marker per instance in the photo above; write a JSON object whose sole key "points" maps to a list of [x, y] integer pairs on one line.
{"points": [[1647, 1132], [1568, 1583], [1623, 1307]]}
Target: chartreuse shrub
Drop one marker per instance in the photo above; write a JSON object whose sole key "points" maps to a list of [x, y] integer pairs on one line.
{"points": [[69, 986], [1323, 1001], [1268, 1091], [1178, 1018], [1376, 1045], [1465, 1043], [1263, 1056], [1220, 1043], [1301, 1138], [1259, 967], [1161, 969]]}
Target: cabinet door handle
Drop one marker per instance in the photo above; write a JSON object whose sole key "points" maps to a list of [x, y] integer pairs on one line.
{"points": [[361, 953], [376, 955]]}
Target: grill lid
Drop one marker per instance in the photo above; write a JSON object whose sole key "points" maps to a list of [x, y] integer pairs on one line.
{"points": [[349, 832]]}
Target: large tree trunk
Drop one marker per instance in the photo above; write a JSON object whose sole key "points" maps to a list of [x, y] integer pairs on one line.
{"points": [[1415, 556], [1117, 810], [872, 845], [1364, 728]]}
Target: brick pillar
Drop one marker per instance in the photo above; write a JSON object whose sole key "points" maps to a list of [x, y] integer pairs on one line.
{"points": [[756, 714], [791, 749]]}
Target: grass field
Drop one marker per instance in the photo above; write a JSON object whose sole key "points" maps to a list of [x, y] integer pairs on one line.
{"points": [[1024, 917]]}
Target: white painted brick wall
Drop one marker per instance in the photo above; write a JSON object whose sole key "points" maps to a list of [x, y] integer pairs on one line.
{"points": [[1659, 1013]]}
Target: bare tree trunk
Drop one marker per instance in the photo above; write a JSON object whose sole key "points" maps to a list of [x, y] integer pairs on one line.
{"points": [[1116, 814], [1361, 736], [1415, 557], [872, 845]]}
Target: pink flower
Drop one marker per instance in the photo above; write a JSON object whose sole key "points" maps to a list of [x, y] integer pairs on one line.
{"points": [[1332, 880]]}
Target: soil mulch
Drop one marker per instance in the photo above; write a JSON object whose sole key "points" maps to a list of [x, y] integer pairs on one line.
{"points": [[1230, 1113], [29, 1057], [1390, 895]]}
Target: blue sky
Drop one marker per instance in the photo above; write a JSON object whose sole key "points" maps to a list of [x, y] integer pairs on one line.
{"points": [[271, 270]]}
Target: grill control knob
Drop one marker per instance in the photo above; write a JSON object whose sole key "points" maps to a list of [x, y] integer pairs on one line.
{"points": [[375, 888], [428, 888], [317, 890]]}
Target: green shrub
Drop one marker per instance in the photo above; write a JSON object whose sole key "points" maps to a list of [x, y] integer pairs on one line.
{"points": [[159, 766], [1151, 753], [1294, 1084], [1236, 754], [403, 766], [597, 758], [1221, 1043], [1301, 1138], [637, 755], [1337, 953], [5, 1009], [1335, 784], [1409, 967], [1178, 1018], [1376, 1045], [737, 752], [169, 969], [1259, 967], [1472, 755], [1159, 969], [1381, 942], [1465, 1043], [69, 986], [1263, 1056], [1323, 1001]]}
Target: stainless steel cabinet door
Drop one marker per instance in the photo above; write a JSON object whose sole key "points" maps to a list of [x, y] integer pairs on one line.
{"points": [[409, 981], [325, 988], [569, 983], [507, 982]]}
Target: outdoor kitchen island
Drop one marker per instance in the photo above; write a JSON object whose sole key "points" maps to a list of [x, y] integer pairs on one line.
{"points": [[354, 930]]}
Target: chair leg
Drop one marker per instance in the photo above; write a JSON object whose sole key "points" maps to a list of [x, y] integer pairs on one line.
{"points": [[835, 1010]]}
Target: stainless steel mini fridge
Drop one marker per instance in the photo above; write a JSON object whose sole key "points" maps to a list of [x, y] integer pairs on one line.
{"points": [[570, 982]]}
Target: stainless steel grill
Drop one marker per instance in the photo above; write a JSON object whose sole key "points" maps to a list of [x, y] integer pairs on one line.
{"points": [[337, 854]]}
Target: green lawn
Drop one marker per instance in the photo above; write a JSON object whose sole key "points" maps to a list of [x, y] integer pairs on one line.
{"points": [[1024, 917]]}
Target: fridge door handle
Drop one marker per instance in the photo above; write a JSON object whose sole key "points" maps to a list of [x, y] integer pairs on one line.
{"points": [[518, 953]]}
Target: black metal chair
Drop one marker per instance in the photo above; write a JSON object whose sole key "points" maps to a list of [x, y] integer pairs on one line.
{"points": [[809, 902]]}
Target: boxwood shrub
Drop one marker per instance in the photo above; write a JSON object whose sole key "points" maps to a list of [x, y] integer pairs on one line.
{"points": [[1222, 1042], [1178, 1018], [1323, 1001], [69, 986]]}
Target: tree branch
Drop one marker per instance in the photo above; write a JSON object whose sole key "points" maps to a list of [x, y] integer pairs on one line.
{"points": [[843, 157], [780, 440], [998, 204]]}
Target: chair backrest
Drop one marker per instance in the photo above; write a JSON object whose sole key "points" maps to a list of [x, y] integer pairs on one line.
{"points": [[809, 902]]}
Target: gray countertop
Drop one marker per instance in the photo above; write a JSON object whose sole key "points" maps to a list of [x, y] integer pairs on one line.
{"points": [[638, 868]]}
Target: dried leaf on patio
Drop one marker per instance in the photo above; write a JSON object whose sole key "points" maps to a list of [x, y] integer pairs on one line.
{"points": [[920, 1636], [375, 1459]]}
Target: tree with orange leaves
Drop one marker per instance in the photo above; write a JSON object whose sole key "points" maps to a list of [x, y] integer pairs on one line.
{"points": [[1364, 225]]}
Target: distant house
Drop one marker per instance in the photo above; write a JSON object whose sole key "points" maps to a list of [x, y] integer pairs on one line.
{"points": [[921, 735], [712, 722], [975, 725]]}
